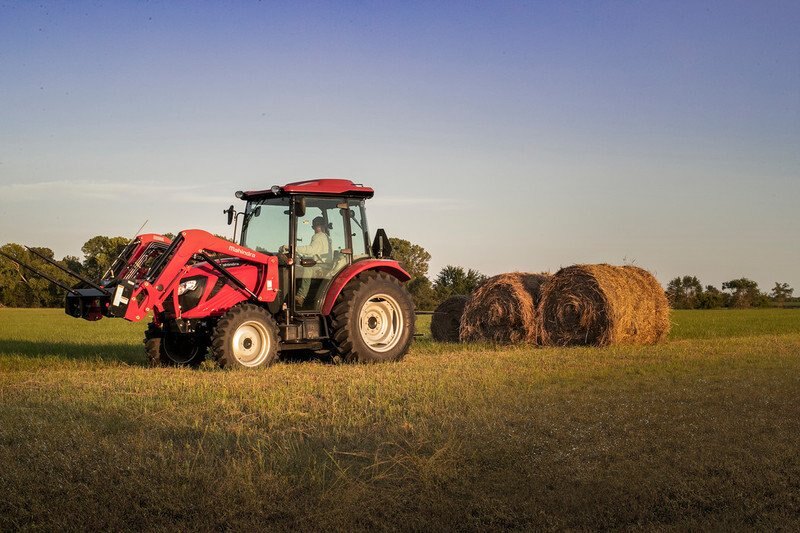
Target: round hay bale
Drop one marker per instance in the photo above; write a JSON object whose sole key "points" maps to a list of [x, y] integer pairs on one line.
{"points": [[447, 319], [600, 305], [503, 309]]}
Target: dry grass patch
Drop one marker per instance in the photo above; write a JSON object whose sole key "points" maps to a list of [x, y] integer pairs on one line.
{"points": [[691, 434]]}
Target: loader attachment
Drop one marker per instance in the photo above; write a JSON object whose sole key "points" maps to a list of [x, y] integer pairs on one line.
{"points": [[91, 300], [66, 270], [40, 274], [89, 304]]}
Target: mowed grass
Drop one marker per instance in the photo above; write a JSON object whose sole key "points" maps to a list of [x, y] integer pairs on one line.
{"points": [[700, 432]]}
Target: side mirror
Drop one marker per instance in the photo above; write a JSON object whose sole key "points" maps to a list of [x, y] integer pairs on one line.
{"points": [[229, 211], [381, 247], [300, 207]]}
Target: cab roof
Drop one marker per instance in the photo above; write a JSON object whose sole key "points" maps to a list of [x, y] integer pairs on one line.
{"points": [[324, 186]]}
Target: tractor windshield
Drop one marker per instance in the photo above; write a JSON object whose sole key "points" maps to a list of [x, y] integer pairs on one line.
{"points": [[266, 225]]}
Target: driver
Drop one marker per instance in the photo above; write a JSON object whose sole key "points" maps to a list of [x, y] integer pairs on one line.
{"points": [[317, 250]]}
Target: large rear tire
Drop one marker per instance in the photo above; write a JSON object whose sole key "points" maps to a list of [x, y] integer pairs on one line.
{"points": [[245, 337], [173, 349], [373, 319]]}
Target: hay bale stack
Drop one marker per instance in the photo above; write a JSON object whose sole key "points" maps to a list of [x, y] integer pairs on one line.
{"points": [[447, 319], [503, 309], [600, 305]]}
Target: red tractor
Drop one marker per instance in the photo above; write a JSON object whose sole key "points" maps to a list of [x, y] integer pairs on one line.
{"points": [[303, 276]]}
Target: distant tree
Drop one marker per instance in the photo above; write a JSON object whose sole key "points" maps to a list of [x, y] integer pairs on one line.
{"points": [[685, 292], [421, 289], [453, 280], [712, 298], [744, 293], [413, 257], [781, 292], [100, 251], [73, 263]]}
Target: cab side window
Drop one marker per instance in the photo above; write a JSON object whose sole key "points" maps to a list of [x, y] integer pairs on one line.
{"points": [[358, 229]]}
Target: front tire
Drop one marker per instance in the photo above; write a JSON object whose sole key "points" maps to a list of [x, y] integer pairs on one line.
{"points": [[373, 319], [173, 349], [245, 337]]}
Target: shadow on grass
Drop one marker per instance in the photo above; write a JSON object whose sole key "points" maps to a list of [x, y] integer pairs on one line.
{"points": [[308, 356], [125, 353]]}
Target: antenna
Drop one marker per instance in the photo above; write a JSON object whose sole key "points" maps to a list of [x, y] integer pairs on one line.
{"points": [[138, 231]]}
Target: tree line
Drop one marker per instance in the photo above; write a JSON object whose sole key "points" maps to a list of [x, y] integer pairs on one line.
{"points": [[19, 288], [688, 293]]}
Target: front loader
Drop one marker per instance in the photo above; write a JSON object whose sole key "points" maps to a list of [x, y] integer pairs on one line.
{"points": [[304, 275]]}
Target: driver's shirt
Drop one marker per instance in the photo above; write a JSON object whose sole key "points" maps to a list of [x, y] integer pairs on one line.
{"points": [[317, 249]]}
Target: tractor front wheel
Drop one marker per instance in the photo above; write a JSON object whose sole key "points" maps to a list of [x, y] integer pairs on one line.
{"points": [[173, 349], [245, 337], [373, 319]]}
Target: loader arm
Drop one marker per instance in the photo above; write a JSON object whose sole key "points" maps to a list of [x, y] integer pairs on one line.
{"points": [[134, 299], [91, 300], [133, 257]]}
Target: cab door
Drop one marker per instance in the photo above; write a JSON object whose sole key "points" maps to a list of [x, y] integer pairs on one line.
{"points": [[316, 266]]}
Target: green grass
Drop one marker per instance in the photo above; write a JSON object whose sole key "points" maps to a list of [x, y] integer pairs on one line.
{"points": [[697, 433], [721, 323]]}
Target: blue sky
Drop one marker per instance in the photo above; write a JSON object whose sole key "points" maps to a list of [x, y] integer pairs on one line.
{"points": [[499, 135]]}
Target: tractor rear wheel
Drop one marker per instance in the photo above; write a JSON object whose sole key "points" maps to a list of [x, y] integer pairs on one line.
{"points": [[373, 319], [172, 349], [245, 337]]}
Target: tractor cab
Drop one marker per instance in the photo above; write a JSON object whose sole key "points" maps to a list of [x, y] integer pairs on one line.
{"points": [[316, 228]]}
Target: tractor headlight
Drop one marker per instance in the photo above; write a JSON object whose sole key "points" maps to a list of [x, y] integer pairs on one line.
{"points": [[187, 286]]}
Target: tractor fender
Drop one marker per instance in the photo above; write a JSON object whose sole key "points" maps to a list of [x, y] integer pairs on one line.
{"points": [[344, 277]]}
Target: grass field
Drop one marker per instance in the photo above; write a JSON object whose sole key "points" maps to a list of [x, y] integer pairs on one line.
{"points": [[700, 432]]}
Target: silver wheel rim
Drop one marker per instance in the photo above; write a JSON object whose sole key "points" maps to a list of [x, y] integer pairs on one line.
{"points": [[380, 323], [251, 343]]}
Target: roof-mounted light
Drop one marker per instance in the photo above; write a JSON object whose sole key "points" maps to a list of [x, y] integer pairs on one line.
{"points": [[276, 189], [239, 194]]}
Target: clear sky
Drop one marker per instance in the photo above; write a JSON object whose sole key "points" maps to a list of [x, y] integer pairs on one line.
{"points": [[499, 135]]}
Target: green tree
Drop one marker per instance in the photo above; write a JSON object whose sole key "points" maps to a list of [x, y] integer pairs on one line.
{"points": [[453, 280], [712, 298], [73, 263], [744, 293], [412, 257], [100, 252], [422, 293], [781, 292], [685, 292]]}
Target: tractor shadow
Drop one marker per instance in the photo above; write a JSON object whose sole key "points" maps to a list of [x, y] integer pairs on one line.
{"points": [[122, 353], [130, 354], [325, 357]]}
